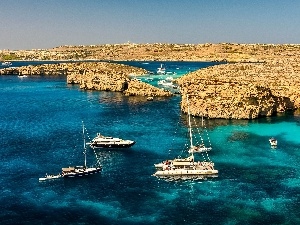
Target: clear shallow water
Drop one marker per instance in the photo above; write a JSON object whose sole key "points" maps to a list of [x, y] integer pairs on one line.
{"points": [[40, 125], [173, 69]]}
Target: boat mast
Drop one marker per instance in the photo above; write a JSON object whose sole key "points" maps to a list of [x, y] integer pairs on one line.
{"points": [[190, 127], [84, 145]]}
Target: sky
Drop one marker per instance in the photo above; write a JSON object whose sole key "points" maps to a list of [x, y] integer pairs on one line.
{"points": [[38, 24]]}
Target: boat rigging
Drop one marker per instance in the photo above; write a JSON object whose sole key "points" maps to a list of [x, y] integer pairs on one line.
{"points": [[186, 168], [76, 171]]}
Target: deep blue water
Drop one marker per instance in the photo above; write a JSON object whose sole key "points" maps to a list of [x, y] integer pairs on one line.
{"points": [[40, 125]]}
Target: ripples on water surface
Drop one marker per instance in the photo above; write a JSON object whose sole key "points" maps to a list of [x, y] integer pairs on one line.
{"points": [[40, 126]]}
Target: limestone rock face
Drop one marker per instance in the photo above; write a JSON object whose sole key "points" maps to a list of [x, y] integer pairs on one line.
{"points": [[250, 102], [136, 87], [108, 78], [100, 76], [231, 92]]}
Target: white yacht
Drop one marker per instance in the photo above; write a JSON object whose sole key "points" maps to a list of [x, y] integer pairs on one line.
{"points": [[165, 83], [161, 70], [50, 177], [101, 141], [273, 142], [169, 79], [186, 168], [6, 64]]}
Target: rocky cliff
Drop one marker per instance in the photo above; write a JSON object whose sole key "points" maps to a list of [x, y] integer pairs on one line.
{"points": [[101, 76], [241, 90]]}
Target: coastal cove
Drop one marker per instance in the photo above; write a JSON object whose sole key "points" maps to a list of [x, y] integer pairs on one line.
{"points": [[40, 123], [229, 91]]}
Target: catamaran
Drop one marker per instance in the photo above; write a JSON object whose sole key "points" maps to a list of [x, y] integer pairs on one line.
{"points": [[186, 168]]}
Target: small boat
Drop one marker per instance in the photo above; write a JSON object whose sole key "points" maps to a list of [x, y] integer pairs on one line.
{"points": [[161, 70], [101, 141], [6, 64], [169, 79], [79, 171], [199, 148], [50, 177], [150, 98], [273, 142], [22, 75], [165, 83], [76, 171], [149, 79]]}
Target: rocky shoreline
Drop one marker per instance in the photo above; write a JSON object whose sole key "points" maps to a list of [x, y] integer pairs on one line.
{"points": [[100, 76], [241, 90], [236, 90]]}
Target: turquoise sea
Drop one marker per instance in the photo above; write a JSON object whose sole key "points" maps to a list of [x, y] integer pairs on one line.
{"points": [[40, 125]]}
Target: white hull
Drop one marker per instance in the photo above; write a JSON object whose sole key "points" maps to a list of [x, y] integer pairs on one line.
{"points": [[200, 149], [185, 172], [273, 142], [161, 70], [159, 165], [101, 141], [6, 64], [165, 83], [187, 168], [50, 177]]}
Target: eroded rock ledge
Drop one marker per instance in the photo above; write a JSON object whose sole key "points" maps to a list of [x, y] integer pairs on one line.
{"points": [[230, 91], [241, 90], [114, 77], [99, 76]]}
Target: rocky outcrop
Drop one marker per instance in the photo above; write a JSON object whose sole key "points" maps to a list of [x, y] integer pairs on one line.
{"points": [[240, 91], [136, 87], [100, 76], [104, 77], [235, 102], [264, 87]]}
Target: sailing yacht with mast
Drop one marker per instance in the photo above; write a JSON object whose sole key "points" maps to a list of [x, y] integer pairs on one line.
{"points": [[161, 70], [199, 147], [76, 171], [79, 171], [186, 168]]}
